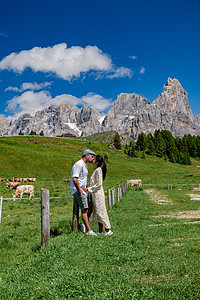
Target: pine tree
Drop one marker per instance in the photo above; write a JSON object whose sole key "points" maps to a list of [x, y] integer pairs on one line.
{"points": [[159, 143], [197, 142], [126, 149], [32, 132], [132, 150], [171, 149], [141, 144], [151, 148], [183, 145], [143, 155], [117, 141], [192, 149], [21, 133]]}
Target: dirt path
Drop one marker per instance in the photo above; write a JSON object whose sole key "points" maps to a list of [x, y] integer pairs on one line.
{"points": [[158, 197]]}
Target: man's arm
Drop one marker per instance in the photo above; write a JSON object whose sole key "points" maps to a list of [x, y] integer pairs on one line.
{"points": [[76, 183]]}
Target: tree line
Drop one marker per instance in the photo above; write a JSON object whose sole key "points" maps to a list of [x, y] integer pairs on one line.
{"points": [[32, 133], [164, 145]]}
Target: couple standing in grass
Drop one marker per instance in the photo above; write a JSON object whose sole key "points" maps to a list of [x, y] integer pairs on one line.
{"points": [[80, 191]]}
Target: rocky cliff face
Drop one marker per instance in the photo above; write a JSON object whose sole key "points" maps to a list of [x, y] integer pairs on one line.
{"points": [[129, 115], [132, 114], [4, 125], [59, 120]]}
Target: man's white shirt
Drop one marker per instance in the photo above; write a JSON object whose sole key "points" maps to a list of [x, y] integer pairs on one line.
{"points": [[79, 170]]}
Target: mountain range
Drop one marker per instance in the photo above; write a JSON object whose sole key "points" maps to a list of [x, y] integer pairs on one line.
{"points": [[129, 115]]}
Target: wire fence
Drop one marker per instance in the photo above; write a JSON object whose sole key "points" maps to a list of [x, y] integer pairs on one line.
{"points": [[64, 193]]}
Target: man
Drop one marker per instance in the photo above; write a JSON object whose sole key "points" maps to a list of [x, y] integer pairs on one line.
{"points": [[79, 181]]}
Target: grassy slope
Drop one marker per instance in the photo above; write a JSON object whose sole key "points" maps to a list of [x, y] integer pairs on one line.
{"points": [[138, 261]]}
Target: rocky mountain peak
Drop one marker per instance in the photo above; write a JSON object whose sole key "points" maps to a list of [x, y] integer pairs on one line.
{"points": [[64, 106], [174, 97]]}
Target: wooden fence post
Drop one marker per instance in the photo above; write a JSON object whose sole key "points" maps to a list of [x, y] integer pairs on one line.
{"points": [[1, 202], [75, 218], [109, 200], [118, 194], [113, 197], [120, 190], [125, 188], [45, 221]]}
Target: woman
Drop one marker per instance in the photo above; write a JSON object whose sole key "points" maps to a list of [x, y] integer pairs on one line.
{"points": [[98, 197]]}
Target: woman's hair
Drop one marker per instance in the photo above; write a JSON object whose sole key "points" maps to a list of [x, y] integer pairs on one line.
{"points": [[102, 164]]}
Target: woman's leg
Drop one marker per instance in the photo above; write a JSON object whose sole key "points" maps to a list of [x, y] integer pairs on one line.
{"points": [[100, 227]]}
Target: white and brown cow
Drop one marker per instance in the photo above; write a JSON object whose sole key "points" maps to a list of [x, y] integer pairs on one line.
{"points": [[12, 185], [32, 179], [133, 182], [24, 189]]}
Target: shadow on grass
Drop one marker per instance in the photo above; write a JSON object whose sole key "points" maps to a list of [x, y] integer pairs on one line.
{"points": [[64, 227]]}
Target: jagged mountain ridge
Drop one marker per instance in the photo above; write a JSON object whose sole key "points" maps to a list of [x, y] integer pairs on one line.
{"points": [[58, 120], [129, 115], [132, 114]]}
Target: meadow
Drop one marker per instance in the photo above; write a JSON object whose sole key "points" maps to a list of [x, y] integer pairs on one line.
{"points": [[153, 253]]}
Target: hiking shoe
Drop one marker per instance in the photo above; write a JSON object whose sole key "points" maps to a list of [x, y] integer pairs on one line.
{"points": [[91, 232], [83, 228], [108, 232]]}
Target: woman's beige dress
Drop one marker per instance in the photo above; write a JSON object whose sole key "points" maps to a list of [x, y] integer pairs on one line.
{"points": [[98, 197]]}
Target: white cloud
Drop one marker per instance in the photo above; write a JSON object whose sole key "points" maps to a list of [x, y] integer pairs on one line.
{"points": [[142, 70], [133, 57], [66, 63], [97, 101], [30, 102], [11, 88], [28, 86], [121, 72]]}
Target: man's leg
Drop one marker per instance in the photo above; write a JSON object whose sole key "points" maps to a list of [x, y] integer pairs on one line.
{"points": [[84, 213], [75, 215]]}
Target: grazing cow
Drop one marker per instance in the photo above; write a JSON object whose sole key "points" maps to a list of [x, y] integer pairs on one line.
{"points": [[12, 185], [24, 189], [24, 179], [32, 179], [10, 179], [133, 182]]}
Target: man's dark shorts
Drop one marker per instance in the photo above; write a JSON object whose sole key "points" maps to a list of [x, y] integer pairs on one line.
{"points": [[82, 200]]}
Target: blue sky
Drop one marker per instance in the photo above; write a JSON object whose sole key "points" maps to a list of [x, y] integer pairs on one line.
{"points": [[91, 51]]}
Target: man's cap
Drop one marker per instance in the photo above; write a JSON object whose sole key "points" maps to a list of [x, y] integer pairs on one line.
{"points": [[88, 151]]}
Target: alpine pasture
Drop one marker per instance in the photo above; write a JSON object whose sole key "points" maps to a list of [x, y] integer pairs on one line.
{"points": [[154, 252]]}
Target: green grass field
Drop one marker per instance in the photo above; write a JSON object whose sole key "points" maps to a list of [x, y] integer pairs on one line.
{"points": [[153, 254]]}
